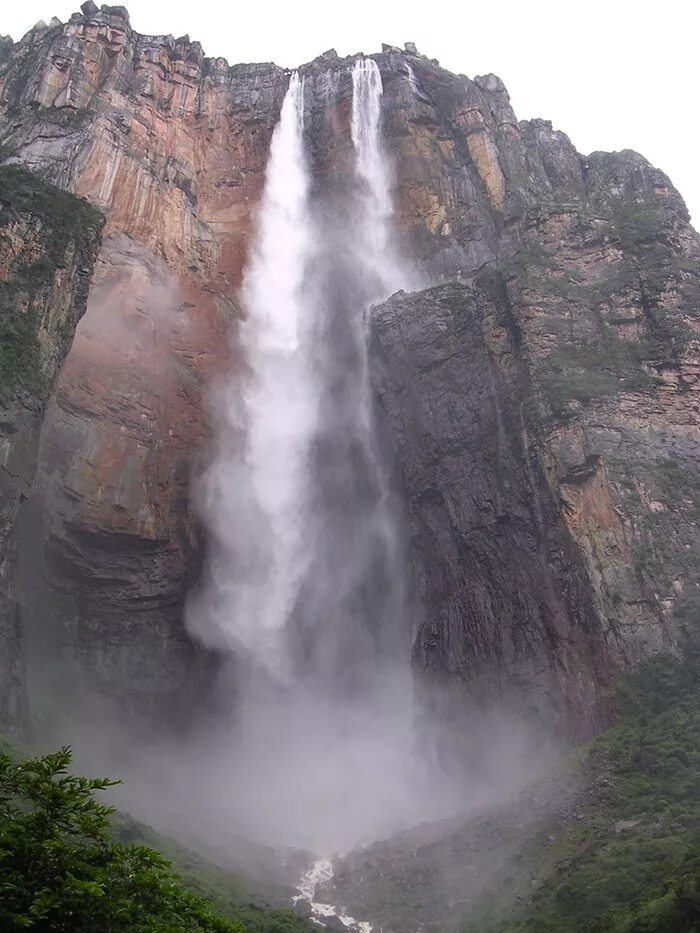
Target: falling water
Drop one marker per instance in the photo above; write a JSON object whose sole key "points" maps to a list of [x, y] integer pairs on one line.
{"points": [[379, 262], [305, 580], [256, 488]]}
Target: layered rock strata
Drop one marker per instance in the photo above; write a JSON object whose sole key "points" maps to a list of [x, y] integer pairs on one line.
{"points": [[48, 243], [535, 561], [546, 414]]}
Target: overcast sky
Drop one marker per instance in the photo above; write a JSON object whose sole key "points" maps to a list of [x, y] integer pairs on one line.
{"points": [[613, 74]]}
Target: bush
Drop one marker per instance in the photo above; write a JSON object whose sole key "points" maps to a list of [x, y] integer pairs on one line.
{"points": [[60, 870]]}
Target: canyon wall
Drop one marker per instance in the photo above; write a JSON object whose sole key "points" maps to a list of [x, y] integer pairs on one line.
{"points": [[543, 414], [173, 149], [48, 243], [546, 414]]}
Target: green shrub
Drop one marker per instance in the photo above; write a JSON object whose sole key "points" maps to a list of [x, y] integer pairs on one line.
{"points": [[63, 213], [636, 223], [61, 224], [677, 482], [60, 870]]}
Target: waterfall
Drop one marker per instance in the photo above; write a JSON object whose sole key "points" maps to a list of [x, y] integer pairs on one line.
{"points": [[256, 487], [378, 258], [305, 577]]}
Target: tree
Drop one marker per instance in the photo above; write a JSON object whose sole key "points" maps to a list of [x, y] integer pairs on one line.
{"points": [[61, 871]]}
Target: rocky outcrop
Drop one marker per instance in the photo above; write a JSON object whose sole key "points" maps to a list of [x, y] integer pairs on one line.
{"points": [[546, 420], [514, 481], [48, 244], [172, 147]]}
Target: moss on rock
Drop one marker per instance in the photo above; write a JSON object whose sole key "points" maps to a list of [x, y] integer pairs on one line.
{"points": [[59, 229]]}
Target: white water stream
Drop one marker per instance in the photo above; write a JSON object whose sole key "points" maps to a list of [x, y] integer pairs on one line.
{"points": [[321, 872], [412, 79], [379, 260]]}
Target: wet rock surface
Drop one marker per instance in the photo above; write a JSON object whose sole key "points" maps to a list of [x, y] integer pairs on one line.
{"points": [[545, 416], [48, 243], [431, 877]]}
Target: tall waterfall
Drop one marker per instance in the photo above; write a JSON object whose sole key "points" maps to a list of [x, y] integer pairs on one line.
{"points": [[257, 487], [378, 259], [305, 581]]}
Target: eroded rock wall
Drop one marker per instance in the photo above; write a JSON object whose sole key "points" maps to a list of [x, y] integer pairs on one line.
{"points": [[595, 256], [48, 243], [173, 149], [546, 419]]}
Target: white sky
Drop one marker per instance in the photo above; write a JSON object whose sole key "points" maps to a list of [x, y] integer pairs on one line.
{"points": [[612, 74]]}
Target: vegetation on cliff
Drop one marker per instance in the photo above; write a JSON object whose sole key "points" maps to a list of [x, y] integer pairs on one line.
{"points": [[62, 870], [66, 215], [628, 861], [60, 229]]}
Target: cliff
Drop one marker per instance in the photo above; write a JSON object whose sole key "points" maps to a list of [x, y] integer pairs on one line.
{"points": [[543, 411], [546, 415], [172, 148], [48, 243]]}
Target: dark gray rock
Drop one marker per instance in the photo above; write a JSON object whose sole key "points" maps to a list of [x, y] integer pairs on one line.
{"points": [[119, 12], [545, 418], [40, 306]]}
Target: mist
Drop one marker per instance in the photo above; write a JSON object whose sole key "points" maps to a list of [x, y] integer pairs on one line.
{"points": [[305, 580], [315, 738]]}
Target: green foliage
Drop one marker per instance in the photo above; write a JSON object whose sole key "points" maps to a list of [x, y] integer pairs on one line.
{"points": [[677, 483], [645, 231], [19, 351], [662, 548], [58, 221], [65, 214], [60, 870], [233, 896], [659, 554], [594, 369], [676, 910], [630, 861], [530, 260], [636, 223]]}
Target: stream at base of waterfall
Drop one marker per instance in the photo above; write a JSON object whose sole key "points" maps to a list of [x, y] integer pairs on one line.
{"points": [[321, 872]]}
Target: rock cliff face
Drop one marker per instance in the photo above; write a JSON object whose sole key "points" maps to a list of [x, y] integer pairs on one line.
{"points": [[546, 415], [544, 412], [172, 148], [48, 244]]}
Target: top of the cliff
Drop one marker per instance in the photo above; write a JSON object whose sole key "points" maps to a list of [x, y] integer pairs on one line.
{"points": [[183, 47], [90, 9]]}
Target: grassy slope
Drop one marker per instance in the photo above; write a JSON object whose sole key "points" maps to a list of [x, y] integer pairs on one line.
{"points": [[232, 895], [628, 861]]}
